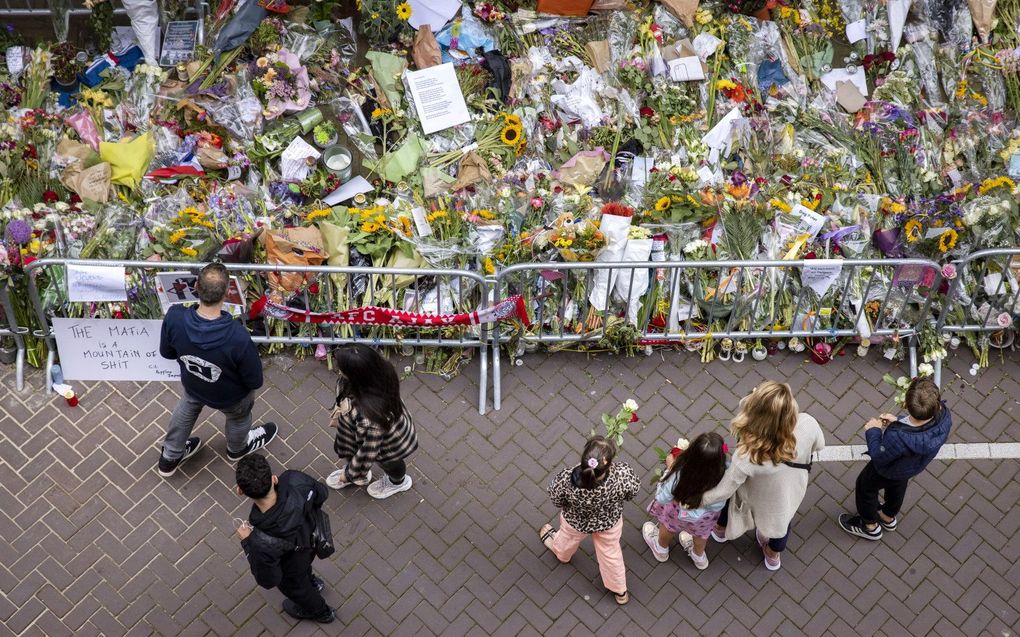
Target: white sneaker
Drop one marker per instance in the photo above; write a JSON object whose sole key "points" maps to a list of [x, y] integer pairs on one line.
{"points": [[650, 531], [333, 481], [700, 561], [384, 488]]}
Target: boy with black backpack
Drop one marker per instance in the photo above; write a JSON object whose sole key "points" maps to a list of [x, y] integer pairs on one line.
{"points": [[284, 533], [900, 448]]}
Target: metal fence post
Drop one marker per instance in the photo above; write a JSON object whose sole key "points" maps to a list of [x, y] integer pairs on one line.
{"points": [[16, 332]]}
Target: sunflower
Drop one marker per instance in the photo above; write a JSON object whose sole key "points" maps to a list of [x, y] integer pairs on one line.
{"points": [[369, 227], [510, 135], [178, 235], [403, 11], [947, 240], [191, 252], [662, 203], [913, 230]]}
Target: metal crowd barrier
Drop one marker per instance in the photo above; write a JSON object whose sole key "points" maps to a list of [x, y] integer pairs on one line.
{"points": [[994, 277], [888, 289], [17, 333], [442, 291]]}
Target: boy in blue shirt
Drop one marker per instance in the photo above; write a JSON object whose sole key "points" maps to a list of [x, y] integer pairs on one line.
{"points": [[900, 448]]}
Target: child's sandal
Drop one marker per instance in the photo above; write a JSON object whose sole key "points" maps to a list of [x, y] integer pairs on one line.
{"points": [[547, 533], [622, 599]]}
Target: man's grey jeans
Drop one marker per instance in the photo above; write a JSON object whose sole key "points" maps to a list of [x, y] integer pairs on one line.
{"points": [[186, 414]]}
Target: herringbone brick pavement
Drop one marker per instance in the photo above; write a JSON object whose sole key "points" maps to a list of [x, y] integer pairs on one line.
{"points": [[95, 542]]}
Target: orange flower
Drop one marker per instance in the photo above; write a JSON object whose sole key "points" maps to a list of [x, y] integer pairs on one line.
{"points": [[740, 192], [739, 94]]}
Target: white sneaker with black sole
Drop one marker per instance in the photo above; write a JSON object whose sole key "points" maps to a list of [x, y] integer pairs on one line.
{"points": [[384, 487], [167, 468], [888, 526], [258, 437]]}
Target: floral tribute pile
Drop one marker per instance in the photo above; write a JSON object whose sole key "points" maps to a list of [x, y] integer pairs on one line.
{"points": [[641, 132]]}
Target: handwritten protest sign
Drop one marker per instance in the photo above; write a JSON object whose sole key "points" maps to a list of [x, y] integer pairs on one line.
{"points": [[95, 283], [112, 349]]}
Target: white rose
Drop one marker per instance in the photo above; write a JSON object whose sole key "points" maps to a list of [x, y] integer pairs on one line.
{"points": [[682, 444], [925, 369], [630, 405]]}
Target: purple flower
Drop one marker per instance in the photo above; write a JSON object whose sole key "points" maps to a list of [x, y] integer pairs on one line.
{"points": [[19, 232]]}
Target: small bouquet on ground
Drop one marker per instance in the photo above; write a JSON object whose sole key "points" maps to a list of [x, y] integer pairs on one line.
{"points": [[282, 83], [617, 425]]}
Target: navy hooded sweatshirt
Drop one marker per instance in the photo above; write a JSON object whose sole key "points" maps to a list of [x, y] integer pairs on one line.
{"points": [[220, 364], [901, 451]]}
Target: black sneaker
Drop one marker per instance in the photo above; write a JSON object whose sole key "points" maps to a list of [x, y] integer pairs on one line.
{"points": [[258, 437], [854, 525], [318, 583], [295, 611], [888, 526], [169, 467]]}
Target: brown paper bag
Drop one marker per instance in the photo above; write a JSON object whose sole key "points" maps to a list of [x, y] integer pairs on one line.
{"points": [[292, 246], [684, 10], [91, 184], [426, 50], [471, 170], [849, 96], [600, 57], [212, 158], [982, 12], [74, 150], [608, 5]]}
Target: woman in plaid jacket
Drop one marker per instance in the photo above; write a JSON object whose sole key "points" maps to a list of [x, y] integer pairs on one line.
{"points": [[372, 423]]}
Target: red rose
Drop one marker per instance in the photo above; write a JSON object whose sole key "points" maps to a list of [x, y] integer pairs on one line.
{"points": [[888, 56], [49, 197], [647, 112], [313, 288], [75, 199], [633, 417]]}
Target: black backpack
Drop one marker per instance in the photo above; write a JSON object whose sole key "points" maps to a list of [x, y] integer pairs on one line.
{"points": [[322, 534]]}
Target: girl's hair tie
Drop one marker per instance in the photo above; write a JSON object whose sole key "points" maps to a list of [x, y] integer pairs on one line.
{"points": [[593, 462], [725, 448]]}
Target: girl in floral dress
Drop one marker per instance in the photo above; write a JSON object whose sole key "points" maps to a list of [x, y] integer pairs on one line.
{"points": [[678, 505]]}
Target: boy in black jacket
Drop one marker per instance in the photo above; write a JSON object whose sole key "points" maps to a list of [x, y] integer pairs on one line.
{"points": [[900, 449], [277, 538]]}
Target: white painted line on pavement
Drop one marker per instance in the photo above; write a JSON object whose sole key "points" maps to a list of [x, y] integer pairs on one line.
{"points": [[954, 451]]}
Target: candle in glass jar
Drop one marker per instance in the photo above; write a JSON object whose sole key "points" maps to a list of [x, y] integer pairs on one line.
{"points": [[338, 162]]}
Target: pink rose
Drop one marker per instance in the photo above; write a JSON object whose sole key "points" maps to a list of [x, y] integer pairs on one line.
{"points": [[949, 271], [1004, 320], [536, 202]]}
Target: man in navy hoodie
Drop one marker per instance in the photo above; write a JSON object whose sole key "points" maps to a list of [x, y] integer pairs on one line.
{"points": [[220, 368], [900, 448]]}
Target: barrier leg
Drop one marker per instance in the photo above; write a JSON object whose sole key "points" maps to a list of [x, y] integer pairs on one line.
{"points": [[938, 373], [497, 390], [483, 380], [50, 358], [19, 369], [913, 357]]}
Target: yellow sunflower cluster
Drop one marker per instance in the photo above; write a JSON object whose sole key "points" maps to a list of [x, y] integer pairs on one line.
{"points": [[947, 240], [318, 214], [484, 213], [188, 250], [989, 185], [192, 216], [367, 213], [178, 235], [438, 214], [913, 230], [513, 132], [892, 207]]}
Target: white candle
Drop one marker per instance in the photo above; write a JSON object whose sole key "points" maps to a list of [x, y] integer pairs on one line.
{"points": [[338, 162]]}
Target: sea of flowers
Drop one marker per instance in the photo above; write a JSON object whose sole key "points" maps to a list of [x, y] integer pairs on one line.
{"points": [[624, 131]]}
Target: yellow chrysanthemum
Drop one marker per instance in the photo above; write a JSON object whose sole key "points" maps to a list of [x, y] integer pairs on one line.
{"points": [[404, 11], [947, 240], [913, 230], [662, 203]]}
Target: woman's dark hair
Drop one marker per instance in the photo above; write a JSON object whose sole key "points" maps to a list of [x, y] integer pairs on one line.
{"points": [[701, 467], [599, 452], [371, 382]]}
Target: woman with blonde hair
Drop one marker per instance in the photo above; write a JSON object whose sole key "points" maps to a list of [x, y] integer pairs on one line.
{"points": [[768, 475]]}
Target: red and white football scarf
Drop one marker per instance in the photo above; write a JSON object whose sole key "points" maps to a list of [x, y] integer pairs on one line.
{"points": [[512, 307]]}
